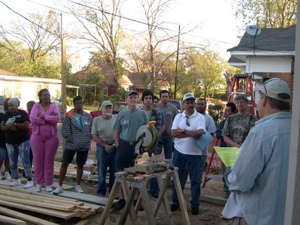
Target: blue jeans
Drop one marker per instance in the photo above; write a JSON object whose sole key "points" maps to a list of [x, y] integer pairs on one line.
{"points": [[167, 142], [104, 160], [22, 150], [192, 164]]}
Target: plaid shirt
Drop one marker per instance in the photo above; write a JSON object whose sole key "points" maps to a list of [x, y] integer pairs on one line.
{"points": [[156, 116], [77, 139]]}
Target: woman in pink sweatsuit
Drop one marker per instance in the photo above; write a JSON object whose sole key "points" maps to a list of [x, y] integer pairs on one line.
{"points": [[44, 141]]}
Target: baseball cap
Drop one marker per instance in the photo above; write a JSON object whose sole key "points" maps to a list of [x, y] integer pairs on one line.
{"points": [[277, 89], [130, 92], [106, 103], [188, 96]]}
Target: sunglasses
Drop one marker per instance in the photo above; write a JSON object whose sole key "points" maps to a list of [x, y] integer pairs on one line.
{"points": [[187, 122]]}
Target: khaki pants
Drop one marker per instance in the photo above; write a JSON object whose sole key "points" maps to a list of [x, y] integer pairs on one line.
{"points": [[238, 221]]}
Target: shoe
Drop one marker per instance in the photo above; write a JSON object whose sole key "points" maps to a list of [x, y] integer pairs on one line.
{"points": [[38, 188], [141, 208], [7, 175], [119, 205], [78, 188], [174, 207], [29, 184], [58, 190], [16, 182], [49, 188], [195, 210]]}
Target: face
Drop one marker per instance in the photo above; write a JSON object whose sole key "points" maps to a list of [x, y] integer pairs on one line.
{"points": [[148, 101], [155, 102], [228, 111], [241, 105], [45, 96], [189, 105], [165, 98], [131, 100], [29, 107], [12, 108], [200, 106], [78, 105], [107, 110]]}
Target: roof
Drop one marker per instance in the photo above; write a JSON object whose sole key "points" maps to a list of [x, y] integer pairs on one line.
{"points": [[4, 72], [233, 59], [141, 80], [270, 39]]}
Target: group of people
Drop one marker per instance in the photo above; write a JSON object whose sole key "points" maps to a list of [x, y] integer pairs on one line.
{"points": [[31, 136], [255, 185]]}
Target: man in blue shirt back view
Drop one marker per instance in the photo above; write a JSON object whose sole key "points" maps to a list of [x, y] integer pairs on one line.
{"points": [[258, 178]]}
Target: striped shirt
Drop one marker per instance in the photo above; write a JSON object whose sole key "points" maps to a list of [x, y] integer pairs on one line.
{"points": [[259, 175]]}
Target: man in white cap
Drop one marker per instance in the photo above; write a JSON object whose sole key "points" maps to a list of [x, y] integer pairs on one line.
{"points": [[103, 135], [186, 128], [258, 178]]}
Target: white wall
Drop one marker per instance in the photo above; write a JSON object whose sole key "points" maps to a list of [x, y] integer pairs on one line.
{"points": [[268, 64]]}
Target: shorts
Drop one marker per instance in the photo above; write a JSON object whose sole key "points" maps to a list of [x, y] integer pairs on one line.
{"points": [[81, 156], [125, 155], [3, 154]]}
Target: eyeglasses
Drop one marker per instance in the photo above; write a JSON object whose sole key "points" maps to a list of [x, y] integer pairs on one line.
{"points": [[187, 122]]}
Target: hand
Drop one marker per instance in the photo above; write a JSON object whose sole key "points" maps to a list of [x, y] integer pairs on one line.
{"points": [[41, 116], [54, 114], [179, 130], [109, 148], [13, 128]]}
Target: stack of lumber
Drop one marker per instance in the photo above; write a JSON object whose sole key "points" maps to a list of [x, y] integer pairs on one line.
{"points": [[46, 204]]}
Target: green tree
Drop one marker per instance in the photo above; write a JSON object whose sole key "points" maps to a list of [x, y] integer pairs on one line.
{"points": [[267, 13]]}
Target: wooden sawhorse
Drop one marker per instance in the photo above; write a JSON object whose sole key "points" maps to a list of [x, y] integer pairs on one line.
{"points": [[140, 183]]}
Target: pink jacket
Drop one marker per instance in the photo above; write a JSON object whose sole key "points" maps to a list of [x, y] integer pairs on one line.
{"points": [[50, 119]]}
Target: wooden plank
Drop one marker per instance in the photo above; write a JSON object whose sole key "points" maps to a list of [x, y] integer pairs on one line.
{"points": [[38, 204], [42, 199], [25, 217], [50, 212], [9, 220], [83, 222], [213, 199]]}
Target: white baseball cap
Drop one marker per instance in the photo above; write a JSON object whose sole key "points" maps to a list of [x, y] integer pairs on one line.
{"points": [[188, 96], [277, 89]]}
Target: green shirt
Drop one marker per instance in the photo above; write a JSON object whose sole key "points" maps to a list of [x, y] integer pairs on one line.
{"points": [[104, 128], [129, 122]]}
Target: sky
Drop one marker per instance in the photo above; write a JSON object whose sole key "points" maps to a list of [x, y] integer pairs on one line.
{"points": [[215, 19]]}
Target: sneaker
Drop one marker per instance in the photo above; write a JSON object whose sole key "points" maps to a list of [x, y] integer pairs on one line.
{"points": [[15, 183], [58, 190], [29, 184], [7, 175], [38, 188], [49, 188], [119, 205], [195, 210], [78, 188], [174, 207]]}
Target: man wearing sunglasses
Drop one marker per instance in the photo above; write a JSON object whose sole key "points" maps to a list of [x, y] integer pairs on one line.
{"points": [[187, 126], [258, 178]]}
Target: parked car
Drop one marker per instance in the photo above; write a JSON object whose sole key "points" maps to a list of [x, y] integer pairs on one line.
{"points": [[178, 104], [117, 107]]}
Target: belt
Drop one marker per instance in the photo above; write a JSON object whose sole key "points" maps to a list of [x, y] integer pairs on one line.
{"points": [[129, 142]]}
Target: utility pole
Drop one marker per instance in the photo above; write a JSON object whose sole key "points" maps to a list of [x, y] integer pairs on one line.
{"points": [[63, 71], [63, 78], [176, 69]]}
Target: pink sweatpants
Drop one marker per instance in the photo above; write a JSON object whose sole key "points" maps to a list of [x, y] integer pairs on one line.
{"points": [[43, 150]]}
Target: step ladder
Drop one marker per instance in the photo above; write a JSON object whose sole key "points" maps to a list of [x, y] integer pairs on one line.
{"points": [[241, 84], [139, 183]]}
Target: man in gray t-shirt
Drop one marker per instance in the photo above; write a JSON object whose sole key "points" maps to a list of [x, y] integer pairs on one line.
{"points": [[170, 112]]}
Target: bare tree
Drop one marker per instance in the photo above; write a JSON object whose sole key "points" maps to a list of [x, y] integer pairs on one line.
{"points": [[102, 30], [39, 34]]}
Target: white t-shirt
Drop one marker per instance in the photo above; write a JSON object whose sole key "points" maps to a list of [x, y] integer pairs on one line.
{"points": [[188, 145]]}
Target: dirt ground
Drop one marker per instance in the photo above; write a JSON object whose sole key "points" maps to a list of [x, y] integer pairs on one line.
{"points": [[209, 213]]}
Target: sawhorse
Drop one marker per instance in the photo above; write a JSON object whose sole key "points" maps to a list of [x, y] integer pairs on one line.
{"points": [[139, 183]]}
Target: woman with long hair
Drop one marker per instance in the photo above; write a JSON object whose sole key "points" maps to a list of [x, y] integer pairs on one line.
{"points": [[44, 141]]}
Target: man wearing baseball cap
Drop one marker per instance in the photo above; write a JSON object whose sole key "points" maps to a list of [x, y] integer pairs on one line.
{"points": [[103, 135], [187, 126], [258, 178]]}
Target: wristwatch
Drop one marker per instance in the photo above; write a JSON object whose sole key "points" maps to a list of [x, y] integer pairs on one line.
{"points": [[183, 131]]}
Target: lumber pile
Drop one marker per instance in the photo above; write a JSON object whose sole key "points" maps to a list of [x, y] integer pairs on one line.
{"points": [[45, 204]]}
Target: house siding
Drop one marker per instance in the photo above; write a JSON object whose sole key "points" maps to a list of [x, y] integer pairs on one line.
{"points": [[269, 64]]}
